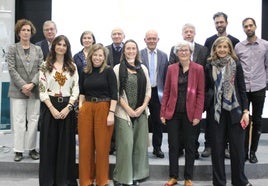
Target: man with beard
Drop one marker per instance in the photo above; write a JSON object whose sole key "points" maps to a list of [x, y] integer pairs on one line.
{"points": [[253, 54], [220, 21]]}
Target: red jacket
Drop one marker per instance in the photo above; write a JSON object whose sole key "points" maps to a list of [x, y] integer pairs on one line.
{"points": [[195, 92]]}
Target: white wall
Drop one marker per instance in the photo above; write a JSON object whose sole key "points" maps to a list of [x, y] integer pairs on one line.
{"points": [[167, 17], [135, 17]]}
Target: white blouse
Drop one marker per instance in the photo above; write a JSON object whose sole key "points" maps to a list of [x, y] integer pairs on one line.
{"points": [[58, 84]]}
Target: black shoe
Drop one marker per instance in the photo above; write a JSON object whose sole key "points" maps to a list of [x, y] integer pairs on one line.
{"points": [[158, 153], [34, 154], [227, 153], [252, 157], [136, 182], [18, 156], [206, 153], [196, 155]]}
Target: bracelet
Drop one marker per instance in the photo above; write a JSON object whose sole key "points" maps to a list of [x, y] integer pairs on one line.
{"points": [[111, 111], [70, 104], [246, 112]]}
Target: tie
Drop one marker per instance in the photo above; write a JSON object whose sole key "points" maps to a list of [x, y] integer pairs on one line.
{"points": [[117, 48], [152, 69]]}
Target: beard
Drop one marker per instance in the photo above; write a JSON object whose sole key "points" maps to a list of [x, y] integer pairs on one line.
{"points": [[250, 34], [221, 30]]}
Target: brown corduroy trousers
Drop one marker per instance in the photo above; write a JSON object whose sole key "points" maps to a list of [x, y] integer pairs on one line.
{"points": [[94, 143]]}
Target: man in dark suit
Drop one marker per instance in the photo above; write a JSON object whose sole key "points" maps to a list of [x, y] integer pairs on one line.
{"points": [[49, 31], [157, 73], [115, 51], [199, 56]]}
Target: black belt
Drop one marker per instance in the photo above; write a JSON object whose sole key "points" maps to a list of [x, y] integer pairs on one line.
{"points": [[59, 99], [95, 99]]}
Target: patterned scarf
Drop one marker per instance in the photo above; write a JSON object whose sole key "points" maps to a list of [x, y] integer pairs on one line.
{"points": [[224, 72]]}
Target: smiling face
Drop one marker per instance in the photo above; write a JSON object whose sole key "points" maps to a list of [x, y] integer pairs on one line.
{"points": [[220, 24], [151, 39], [184, 53], [61, 47], [98, 58], [222, 49], [50, 31], [117, 36], [130, 51], [87, 40]]}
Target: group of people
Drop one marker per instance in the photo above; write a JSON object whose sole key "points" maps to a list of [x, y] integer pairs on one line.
{"points": [[119, 88]]}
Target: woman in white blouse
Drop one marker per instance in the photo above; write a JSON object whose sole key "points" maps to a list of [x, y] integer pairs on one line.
{"points": [[58, 86]]}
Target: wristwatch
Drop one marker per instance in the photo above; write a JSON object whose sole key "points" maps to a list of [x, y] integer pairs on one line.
{"points": [[70, 107]]}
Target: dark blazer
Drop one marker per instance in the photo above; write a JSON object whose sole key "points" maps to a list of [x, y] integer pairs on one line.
{"points": [[162, 64], [44, 46], [21, 73], [240, 89], [110, 59], [199, 55], [195, 92], [79, 59]]}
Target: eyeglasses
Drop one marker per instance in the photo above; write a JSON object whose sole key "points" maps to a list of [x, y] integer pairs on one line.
{"points": [[183, 51], [49, 29]]}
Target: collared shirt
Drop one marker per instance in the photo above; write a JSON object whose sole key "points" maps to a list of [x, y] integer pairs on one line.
{"points": [[121, 46], [254, 60], [155, 65]]}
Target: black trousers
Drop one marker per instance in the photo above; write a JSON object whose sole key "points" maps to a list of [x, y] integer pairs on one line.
{"points": [[179, 126], [236, 136], [257, 100], [157, 125]]}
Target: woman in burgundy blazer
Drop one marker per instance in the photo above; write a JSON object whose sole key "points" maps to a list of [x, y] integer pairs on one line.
{"points": [[181, 109]]}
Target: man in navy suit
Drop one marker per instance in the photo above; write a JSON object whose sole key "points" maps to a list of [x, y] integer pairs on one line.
{"points": [[199, 56], [157, 73], [49, 31]]}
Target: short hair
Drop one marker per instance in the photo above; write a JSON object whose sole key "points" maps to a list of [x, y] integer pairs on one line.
{"points": [[20, 23], [188, 25], [87, 32], [249, 18], [181, 44], [218, 14], [48, 22]]}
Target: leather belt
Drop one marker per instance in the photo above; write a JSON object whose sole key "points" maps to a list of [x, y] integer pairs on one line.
{"points": [[95, 99], [59, 99]]}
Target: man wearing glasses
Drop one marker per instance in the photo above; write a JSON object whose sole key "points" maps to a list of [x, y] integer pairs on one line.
{"points": [[49, 31]]}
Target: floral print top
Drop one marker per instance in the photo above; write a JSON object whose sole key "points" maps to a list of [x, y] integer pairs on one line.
{"points": [[57, 84]]}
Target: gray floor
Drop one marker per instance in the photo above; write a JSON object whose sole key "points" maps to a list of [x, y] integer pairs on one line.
{"points": [[25, 173]]}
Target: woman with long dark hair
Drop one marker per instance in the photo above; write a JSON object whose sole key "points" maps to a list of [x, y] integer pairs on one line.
{"points": [[58, 86]]}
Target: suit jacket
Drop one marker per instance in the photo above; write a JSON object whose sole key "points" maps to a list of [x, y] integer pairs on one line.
{"points": [[110, 59], [162, 64], [199, 55], [44, 46], [194, 96], [21, 72]]}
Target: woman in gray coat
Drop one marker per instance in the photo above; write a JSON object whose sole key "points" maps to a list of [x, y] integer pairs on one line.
{"points": [[24, 59]]}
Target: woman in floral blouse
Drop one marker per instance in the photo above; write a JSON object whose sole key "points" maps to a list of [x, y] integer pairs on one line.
{"points": [[58, 86]]}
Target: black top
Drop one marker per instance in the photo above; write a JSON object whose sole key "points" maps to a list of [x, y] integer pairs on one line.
{"points": [[209, 41], [182, 90], [100, 85]]}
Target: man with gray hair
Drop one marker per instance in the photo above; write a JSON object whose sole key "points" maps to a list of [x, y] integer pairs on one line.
{"points": [[49, 31]]}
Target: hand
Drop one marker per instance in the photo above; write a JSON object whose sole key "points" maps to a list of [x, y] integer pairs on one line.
{"points": [[163, 120], [195, 122], [110, 119], [64, 112], [55, 113], [139, 111]]}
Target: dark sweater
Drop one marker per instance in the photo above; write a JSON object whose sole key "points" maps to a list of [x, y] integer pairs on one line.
{"points": [[100, 85]]}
